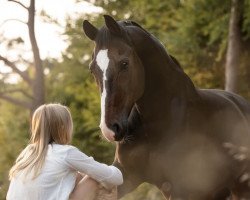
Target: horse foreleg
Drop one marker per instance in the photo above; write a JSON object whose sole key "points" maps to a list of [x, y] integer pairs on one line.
{"points": [[127, 187], [165, 189], [130, 182]]}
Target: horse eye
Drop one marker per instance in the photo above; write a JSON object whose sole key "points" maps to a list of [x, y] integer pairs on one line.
{"points": [[124, 64]]}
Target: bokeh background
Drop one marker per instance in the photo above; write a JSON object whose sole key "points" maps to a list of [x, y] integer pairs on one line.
{"points": [[48, 62]]}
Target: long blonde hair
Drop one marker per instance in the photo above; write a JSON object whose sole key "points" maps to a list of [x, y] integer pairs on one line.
{"points": [[50, 123]]}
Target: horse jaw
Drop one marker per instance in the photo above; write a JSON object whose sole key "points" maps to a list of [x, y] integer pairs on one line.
{"points": [[102, 61]]}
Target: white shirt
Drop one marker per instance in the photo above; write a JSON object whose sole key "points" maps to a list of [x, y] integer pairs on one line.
{"points": [[58, 175]]}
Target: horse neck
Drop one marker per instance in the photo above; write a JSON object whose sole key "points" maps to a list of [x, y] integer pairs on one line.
{"points": [[165, 82]]}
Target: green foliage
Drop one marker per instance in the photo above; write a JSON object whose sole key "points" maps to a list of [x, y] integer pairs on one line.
{"points": [[14, 134]]}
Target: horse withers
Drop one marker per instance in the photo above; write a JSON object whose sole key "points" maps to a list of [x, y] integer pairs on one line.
{"points": [[191, 143]]}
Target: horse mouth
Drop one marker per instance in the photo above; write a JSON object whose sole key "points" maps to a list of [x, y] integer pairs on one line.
{"points": [[126, 137], [118, 138]]}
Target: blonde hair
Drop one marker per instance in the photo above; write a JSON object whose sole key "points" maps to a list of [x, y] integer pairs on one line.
{"points": [[50, 123]]}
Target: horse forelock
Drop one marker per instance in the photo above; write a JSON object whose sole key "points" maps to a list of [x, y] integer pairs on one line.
{"points": [[105, 36]]}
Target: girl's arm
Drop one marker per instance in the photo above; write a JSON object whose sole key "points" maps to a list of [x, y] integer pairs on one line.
{"points": [[108, 176]]}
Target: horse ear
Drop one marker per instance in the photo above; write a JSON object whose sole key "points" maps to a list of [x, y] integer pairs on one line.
{"points": [[112, 25], [89, 30]]}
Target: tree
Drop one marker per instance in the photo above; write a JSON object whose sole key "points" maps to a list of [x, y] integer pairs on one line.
{"points": [[233, 49], [34, 78]]}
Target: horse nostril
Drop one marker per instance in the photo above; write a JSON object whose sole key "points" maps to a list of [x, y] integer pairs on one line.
{"points": [[116, 128]]}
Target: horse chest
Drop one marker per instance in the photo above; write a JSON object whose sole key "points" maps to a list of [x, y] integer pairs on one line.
{"points": [[133, 157]]}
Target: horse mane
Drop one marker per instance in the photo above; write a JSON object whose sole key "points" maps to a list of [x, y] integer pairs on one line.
{"points": [[172, 59], [105, 36]]}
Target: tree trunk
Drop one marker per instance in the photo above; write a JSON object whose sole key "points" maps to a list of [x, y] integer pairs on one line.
{"points": [[38, 82], [233, 49]]}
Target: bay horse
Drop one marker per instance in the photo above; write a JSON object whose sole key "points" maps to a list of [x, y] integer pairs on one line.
{"points": [[193, 144]]}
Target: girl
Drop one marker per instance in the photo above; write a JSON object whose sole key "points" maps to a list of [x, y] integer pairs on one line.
{"points": [[50, 169]]}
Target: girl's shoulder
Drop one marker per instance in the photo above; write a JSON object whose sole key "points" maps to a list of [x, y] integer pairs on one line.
{"points": [[61, 146], [60, 149]]}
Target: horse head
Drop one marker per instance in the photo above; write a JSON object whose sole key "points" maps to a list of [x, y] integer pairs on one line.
{"points": [[119, 74]]}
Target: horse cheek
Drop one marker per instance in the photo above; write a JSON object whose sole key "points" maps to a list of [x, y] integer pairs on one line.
{"points": [[140, 82]]}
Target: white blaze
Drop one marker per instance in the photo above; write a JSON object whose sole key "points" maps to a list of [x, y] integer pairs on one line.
{"points": [[102, 61]]}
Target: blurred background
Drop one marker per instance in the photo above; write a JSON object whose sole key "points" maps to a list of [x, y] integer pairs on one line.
{"points": [[44, 58]]}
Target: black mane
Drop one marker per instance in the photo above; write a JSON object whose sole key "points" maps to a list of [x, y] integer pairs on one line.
{"points": [[104, 37], [161, 46]]}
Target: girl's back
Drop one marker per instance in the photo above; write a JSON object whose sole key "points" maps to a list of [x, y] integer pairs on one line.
{"points": [[56, 180]]}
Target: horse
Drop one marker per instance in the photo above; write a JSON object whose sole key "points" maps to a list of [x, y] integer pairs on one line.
{"points": [[191, 143]]}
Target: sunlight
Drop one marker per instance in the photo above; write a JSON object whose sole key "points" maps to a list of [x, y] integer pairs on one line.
{"points": [[50, 36]]}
